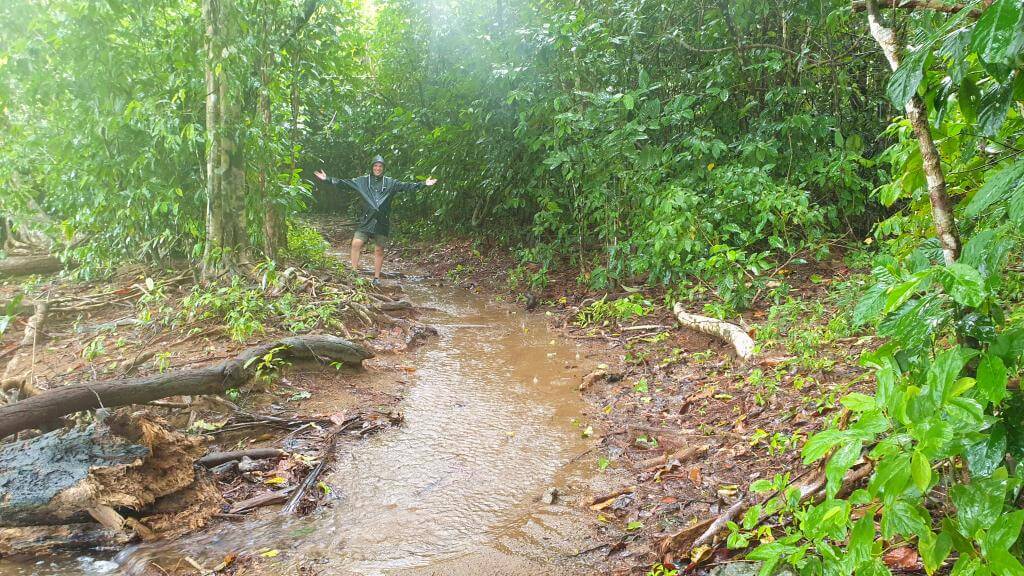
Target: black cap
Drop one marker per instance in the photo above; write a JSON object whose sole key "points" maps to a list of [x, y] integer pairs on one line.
{"points": [[376, 159]]}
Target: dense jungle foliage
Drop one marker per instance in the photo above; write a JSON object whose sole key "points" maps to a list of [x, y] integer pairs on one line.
{"points": [[699, 146]]}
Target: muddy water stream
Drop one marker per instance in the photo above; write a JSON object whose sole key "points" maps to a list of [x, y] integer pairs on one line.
{"points": [[457, 488]]}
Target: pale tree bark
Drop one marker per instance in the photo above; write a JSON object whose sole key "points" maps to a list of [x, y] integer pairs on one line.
{"points": [[227, 242], [942, 206]]}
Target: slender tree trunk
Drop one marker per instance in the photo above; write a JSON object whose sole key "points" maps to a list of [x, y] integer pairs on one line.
{"points": [[227, 242], [942, 206]]}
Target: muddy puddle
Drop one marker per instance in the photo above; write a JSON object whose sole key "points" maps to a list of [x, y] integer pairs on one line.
{"points": [[457, 489]]}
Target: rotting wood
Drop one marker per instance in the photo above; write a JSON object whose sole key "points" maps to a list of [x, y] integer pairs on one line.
{"points": [[119, 462], [45, 408], [732, 334]]}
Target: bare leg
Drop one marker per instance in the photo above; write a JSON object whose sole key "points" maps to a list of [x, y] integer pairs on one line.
{"points": [[357, 248], [378, 260]]}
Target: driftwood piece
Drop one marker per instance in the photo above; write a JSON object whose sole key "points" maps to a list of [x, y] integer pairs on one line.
{"points": [[25, 265], [732, 334], [47, 407], [214, 458], [124, 462]]}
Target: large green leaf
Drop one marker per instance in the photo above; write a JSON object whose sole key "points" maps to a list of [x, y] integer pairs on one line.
{"points": [[979, 503], [844, 458], [998, 186], [991, 378], [987, 454], [905, 80], [996, 30], [995, 104], [964, 284], [1005, 531]]}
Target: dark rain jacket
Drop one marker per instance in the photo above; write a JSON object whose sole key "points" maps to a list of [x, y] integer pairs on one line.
{"points": [[377, 194]]}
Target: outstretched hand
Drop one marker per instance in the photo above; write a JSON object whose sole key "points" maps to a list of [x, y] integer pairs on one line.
{"points": [[430, 181], [320, 174]]}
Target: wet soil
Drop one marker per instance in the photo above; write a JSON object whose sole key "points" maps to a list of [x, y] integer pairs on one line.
{"points": [[492, 425], [667, 388]]}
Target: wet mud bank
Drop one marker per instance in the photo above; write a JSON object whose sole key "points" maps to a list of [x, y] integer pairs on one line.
{"points": [[490, 471]]}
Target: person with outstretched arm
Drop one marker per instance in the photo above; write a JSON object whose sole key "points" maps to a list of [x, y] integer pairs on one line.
{"points": [[377, 191]]}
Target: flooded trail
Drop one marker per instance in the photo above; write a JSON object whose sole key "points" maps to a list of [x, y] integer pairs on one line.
{"points": [[457, 489]]}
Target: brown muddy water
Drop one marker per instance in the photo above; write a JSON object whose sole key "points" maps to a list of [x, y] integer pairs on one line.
{"points": [[490, 425]]}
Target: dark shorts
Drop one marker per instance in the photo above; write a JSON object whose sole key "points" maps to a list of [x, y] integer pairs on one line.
{"points": [[378, 239]]}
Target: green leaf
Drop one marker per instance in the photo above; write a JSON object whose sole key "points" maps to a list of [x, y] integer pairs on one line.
{"points": [[900, 293], [998, 186], [945, 369], [921, 471], [818, 445], [1004, 564], [979, 503], [995, 30], [905, 80], [905, 519], [845, 457], [995, 104], [628, 101], [987, 454], [871, 304], [934, 550], [861, 539], [991, 378], [964, 284], [1005, 531], [858, 402]]}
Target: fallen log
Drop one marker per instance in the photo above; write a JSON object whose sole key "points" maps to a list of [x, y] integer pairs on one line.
{"points": [[45, 408], [732, 334], [25, 265], [214, 458]]}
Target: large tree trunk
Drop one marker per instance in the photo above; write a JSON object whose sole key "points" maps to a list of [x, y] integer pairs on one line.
{"points": [[942, 206], [227, 240], [45, 408], [274, 232]]}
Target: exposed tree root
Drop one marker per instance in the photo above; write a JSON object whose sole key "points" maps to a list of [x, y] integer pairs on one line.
{"points": [[45, 408]]}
